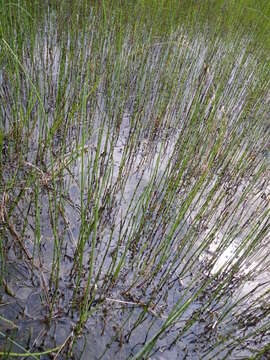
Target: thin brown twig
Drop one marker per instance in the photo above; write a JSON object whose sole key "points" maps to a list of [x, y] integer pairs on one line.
{"points": [[137, 304]]}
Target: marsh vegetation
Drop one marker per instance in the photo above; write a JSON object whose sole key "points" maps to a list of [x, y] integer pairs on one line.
{"points": [[134, 181]]}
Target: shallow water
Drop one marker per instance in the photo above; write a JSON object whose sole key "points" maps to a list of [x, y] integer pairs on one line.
{"points": [[120, 325]]}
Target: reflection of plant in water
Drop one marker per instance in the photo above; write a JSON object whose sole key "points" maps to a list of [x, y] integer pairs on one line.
{"points": [[135, 190]]}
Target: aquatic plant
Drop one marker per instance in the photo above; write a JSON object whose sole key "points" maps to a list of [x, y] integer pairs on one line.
{"points": [[134, 180]]}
